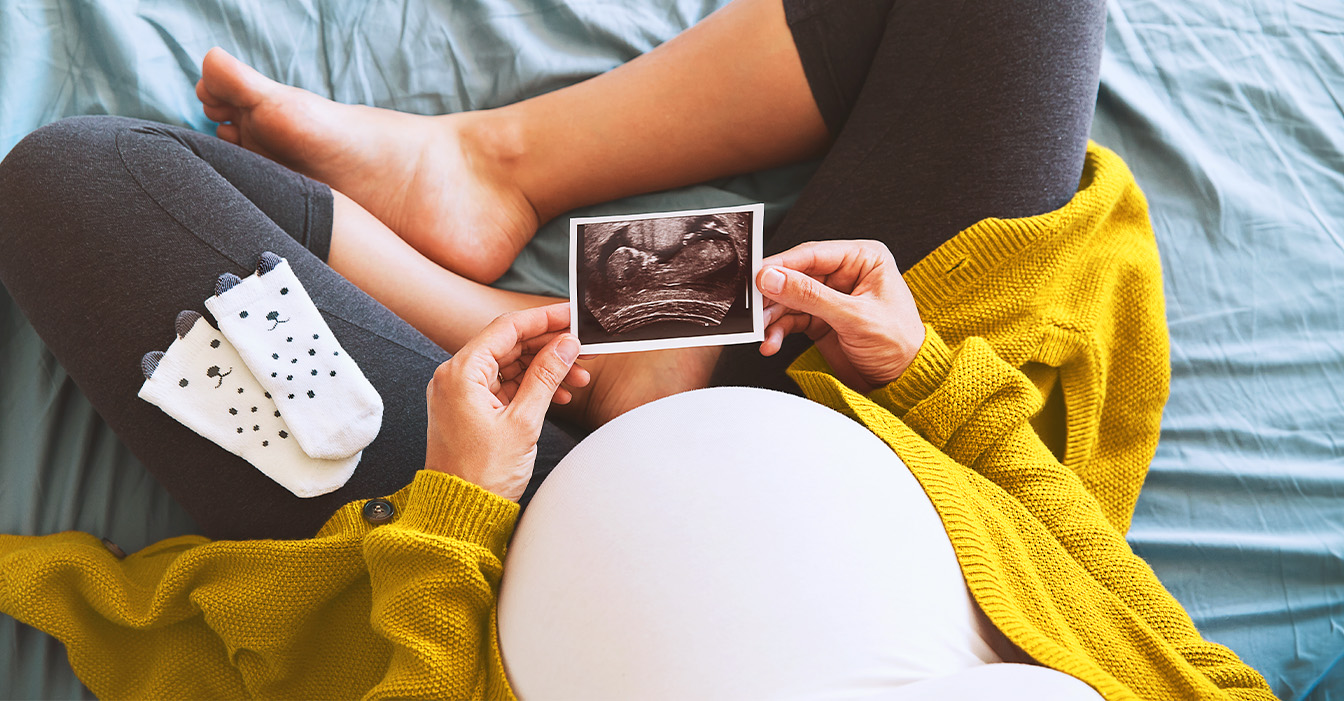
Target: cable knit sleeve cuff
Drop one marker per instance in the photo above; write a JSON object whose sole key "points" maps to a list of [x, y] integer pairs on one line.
{"points": [[925, 375], [438, 504]]}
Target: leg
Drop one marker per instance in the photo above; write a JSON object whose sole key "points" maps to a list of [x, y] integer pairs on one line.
{"points": [[953, 113], [114, 225], [469, 190]]}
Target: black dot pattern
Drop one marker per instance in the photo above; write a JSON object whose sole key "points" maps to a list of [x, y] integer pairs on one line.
{"points": [[214, 343], [275, 356], [312, 351], [289, 340], [265, 443], [254, 410], [277, 414], [256, 427], [310, 394], [314, 372], [284, 435], [333, 373], [183, 382], [240, 390], [240, 429], [289, 377], [284, 290], [242, 314], [233, 411]]}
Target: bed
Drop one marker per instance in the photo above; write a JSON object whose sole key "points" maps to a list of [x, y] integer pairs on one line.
{"points": [[1230, 113]]}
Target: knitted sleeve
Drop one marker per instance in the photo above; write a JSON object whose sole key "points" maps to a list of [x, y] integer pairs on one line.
{"points": [[404, 609], [975, 408], [435, 575]]}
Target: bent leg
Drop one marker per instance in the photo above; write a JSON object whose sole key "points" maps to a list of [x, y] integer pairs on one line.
{"points": [[946, 114], [111, 226]]}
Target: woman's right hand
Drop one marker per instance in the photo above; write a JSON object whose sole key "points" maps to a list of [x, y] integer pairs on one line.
{"points": [[488, 402], [850, 299]]}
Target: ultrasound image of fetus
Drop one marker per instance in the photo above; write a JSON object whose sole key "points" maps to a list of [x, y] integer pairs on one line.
{"points": [[687, 269]]}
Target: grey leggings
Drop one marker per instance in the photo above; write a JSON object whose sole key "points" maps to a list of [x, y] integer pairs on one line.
{"points": [[944, 112]]}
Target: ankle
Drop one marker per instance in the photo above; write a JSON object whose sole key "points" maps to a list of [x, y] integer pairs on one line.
{"points": [[495, 142]]}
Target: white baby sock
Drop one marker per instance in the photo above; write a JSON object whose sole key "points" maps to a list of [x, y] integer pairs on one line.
{"points": [[332, 409], [203, 383]]}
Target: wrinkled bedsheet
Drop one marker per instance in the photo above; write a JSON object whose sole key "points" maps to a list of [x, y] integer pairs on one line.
{"points": [[1229, 112]]}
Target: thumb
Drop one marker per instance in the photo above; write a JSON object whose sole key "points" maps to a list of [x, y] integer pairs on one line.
{"points": [[804, 293], [543, 377]]}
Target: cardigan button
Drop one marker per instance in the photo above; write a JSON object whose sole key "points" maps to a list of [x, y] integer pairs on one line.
{"points": [[114, 549], [378, 511]]}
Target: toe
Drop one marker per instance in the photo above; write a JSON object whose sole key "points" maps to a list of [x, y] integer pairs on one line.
{"points": [[229, 133], [220, 114], [205, 97], [228, 80]]}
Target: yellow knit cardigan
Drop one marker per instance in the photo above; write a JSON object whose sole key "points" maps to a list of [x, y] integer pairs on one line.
{"points": [[1046, 337]]}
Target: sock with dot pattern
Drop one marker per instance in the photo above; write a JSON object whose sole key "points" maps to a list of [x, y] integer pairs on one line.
{"points": [[332, 409], [202, 382]]}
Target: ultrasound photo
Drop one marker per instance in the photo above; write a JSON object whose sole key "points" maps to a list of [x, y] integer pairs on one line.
{"points": [[666, 280]]}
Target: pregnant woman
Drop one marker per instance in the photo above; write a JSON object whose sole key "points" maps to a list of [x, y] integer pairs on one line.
{"points": [[723, 543]]}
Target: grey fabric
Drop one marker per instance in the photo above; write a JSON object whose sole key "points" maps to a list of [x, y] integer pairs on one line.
{"points": [[944, 112], [111, 226]]}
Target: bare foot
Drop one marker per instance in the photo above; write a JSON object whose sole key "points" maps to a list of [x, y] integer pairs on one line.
{"points": [[441, 183], [623, 381]]}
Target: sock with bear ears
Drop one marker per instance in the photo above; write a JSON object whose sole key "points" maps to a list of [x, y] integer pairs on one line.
{"points": [[332, 409], [203, 383]]}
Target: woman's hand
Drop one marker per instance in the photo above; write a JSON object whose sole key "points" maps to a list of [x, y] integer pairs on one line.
{"points": [[849, 298], [487, 403]]}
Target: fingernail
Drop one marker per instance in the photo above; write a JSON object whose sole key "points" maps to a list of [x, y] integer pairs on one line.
{"points": [[772, 281], [568, 348]]}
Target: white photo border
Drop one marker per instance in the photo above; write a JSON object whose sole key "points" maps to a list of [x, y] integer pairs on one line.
{"points": [[754, 301]]}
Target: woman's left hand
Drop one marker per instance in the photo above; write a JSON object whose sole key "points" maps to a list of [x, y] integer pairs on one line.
{"points": [[488, 402]]}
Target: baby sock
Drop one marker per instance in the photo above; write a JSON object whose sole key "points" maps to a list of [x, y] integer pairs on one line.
{"points": [[203, 383], [332, 409]]}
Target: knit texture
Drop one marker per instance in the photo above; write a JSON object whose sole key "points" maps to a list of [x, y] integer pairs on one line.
{"points": [[1048, 333], [401, 610], [1068, 304]]}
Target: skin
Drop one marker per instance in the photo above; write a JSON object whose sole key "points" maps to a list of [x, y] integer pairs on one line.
{"points": [[428, 209], [492, 397]]}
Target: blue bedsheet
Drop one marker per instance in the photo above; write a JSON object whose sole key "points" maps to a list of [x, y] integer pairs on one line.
{"points": [[1229, 112]]}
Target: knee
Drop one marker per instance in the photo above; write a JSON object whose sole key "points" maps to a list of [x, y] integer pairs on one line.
{"points": [[52, 154], [55, 168]]}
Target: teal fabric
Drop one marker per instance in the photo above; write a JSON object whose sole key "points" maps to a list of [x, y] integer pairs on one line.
{"points": [[1227, 110], [1230, 114]]}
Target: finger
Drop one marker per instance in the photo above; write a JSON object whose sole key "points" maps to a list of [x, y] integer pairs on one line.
{"points": [[578, 377], [503, 336], [562, 396], [801, 292], [512, 370], [786, 325], [822, 258], [543, 377]]}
